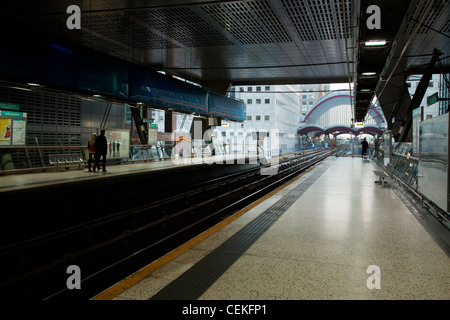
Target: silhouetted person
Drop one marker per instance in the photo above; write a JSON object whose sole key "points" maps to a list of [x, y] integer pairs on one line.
{"points": [[92, 151], [365, 146], [101, 146]]}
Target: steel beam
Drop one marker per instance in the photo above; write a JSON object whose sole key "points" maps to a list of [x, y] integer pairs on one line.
{"points": [[418, 97]]}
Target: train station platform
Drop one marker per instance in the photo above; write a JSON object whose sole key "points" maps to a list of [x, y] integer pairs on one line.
{"points": [[11, 182], [332, 233]]}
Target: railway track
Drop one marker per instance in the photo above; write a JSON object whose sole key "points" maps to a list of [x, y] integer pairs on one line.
{"points": [[110, 248]]}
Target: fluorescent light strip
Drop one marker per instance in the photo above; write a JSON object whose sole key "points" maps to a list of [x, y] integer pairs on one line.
{"points": [[375, 43]]}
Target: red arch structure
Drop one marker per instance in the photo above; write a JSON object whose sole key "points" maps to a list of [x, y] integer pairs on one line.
{"points": [[339, 129]]}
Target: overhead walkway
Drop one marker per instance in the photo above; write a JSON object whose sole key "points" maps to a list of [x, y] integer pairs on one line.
{"points": [[331, 234]]}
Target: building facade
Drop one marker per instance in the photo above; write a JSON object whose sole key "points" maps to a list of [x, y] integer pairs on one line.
{"points": [[272, 109]]}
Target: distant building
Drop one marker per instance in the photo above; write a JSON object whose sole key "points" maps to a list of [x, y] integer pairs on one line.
{"points": [[309, 96], [269, 108]]}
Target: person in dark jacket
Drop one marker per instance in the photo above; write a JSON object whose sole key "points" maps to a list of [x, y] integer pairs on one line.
{"points": [[92, 151], [101, 147], [365, 146]]}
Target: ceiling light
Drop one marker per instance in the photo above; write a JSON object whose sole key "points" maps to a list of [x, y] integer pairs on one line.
{"points": [[34, 84], [369, 73], [375, 43]]}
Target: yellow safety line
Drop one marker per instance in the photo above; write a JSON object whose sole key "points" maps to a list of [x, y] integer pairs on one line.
{"points": [[141, 274]]}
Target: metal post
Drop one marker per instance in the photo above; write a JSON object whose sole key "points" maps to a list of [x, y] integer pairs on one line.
{"points": [[39, 152], [418, 96], [139, 127]]}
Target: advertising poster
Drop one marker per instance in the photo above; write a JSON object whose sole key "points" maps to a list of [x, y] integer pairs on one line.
{"points": [[19, 136], [153, 134], [5, 131], [118, 142]]}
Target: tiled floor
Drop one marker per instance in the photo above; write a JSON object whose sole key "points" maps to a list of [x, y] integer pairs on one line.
{"points": [[323, 245]]}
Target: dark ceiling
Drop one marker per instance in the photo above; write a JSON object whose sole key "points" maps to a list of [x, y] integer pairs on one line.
{"points": [[223, 43]]}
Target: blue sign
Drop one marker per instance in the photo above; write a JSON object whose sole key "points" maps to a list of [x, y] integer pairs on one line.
{"points": [[12, 114]]}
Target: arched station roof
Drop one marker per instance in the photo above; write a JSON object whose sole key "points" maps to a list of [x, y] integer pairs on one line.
{"points": [[332, 114], [339, 129], [336, 108]]}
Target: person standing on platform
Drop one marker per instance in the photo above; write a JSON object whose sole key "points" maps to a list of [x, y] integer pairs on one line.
{"points": [[365, 146], [92, 152], [101, 146]]}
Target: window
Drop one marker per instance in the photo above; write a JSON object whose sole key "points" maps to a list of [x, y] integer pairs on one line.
{"points": [[311, 103], [304, 96], [249, 101], [304, 103], [249, 118], [258, 118], [241, 89], [267, 88], [266, 101], [249, 89], [258, 101], [267, 118], [258, 88]]}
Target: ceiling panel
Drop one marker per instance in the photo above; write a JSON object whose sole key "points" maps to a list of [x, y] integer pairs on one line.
{"points": [[246, 42], [194, 39]]}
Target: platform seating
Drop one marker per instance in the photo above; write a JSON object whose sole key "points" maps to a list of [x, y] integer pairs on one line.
{"points": [[382, 175], [65, 160]]}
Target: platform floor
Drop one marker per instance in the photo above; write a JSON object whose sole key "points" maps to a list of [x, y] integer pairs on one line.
{"points": [[338, 223], [38, 179]]}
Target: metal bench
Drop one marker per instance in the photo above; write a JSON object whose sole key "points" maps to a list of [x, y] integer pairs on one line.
{"points": [[53, 160], [65, 160], [76, 159], [382, 175]]}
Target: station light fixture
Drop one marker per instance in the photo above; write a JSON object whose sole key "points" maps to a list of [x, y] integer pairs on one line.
{"points": [[375, 43], [368, 74]]}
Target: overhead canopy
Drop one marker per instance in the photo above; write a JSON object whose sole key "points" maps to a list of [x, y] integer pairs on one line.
{"points": [[220, 43]]}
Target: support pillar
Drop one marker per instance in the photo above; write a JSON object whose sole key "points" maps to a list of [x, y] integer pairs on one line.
{"points": [[170, 121], [143, 138], [418, 96]]}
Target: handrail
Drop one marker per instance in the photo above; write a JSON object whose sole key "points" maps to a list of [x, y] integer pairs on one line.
{"points": [[399, 155]]}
